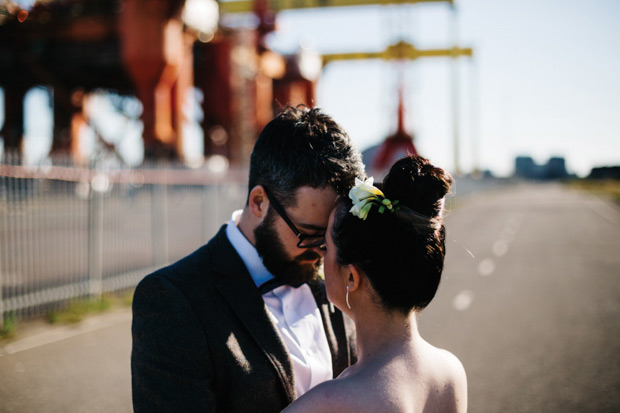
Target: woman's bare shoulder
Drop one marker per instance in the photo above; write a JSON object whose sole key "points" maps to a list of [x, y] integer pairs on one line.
{"points": [[448, 361], [331, 396], [451, 377]]}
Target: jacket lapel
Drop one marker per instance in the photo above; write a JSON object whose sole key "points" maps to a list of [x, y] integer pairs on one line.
{"points": [[237, 287]]}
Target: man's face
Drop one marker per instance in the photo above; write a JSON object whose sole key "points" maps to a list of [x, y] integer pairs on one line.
{"points": [[277, 244]]}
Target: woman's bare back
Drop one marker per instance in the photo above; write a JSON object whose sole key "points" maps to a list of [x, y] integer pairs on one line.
{"points": [[425, 380]]}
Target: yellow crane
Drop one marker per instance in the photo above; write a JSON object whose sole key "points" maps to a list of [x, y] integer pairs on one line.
{"points": [[399, 51], [405, 51], [247, 6]]}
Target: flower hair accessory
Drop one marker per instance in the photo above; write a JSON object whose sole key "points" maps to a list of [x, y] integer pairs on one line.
{"points": [[364, 195]]}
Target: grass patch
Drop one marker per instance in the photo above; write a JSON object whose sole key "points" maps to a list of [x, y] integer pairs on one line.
{"points": [[74, 312], [605, 187], [9, 327], [77, 310]]}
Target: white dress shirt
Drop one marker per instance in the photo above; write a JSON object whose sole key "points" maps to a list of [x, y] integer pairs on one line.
{"points": [[294, 312]]}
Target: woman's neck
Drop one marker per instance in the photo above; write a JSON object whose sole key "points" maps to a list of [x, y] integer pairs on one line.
{"points": [[382, 333]]}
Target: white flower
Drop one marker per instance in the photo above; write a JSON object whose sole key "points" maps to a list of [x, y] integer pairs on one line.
{"points": [[363, 194], [364, 189]]}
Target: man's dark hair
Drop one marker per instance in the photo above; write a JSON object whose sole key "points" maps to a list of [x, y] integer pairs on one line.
{"points": [[303, 147]]}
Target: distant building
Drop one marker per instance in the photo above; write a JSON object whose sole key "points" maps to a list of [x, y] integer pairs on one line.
{"points": [[525, 167], [605, 172], [555, 168]]}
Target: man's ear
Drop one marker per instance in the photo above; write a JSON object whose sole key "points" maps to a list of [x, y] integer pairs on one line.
{"points": [[355, 277], [258, 202]]}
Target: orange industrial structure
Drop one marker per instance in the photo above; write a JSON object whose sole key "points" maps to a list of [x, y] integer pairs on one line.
{"points": [[147, 49], [144, 48]]}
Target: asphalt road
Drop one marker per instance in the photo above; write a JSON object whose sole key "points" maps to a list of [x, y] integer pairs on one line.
{"points": [[530, 303], [77, 368], [530, 300]]}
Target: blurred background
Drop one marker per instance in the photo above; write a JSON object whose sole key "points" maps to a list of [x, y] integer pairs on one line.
{"points": [[125, 133]]}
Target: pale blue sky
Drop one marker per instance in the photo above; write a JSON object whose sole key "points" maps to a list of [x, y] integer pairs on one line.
{"points": [[544, 80]]}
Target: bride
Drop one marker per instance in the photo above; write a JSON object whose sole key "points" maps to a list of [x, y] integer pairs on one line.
{"points": [[383, 260]]}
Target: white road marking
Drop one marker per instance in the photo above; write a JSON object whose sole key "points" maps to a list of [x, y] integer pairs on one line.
{"points": [[486, 267], [500, 248], [465, 248], [463, 300]]}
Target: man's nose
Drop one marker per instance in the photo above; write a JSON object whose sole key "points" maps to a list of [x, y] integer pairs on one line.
{"points": [[320, 250]]}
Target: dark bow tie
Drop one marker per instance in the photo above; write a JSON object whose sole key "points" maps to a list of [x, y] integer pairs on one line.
{"points": [[272, 285]]}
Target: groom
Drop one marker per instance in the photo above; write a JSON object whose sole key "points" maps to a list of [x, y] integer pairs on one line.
{"points": [[243, 324]]}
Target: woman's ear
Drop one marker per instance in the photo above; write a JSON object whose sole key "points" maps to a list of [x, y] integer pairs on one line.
{"points": [[354, 279], [258, 202]]}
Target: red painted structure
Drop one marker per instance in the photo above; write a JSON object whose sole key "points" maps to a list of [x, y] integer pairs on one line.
{"points": [[156, 52], [394, 146], [142, 48]]}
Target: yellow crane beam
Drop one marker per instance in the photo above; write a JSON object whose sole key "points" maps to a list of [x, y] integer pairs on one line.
{"points": [[400, 51], [247, 6]]}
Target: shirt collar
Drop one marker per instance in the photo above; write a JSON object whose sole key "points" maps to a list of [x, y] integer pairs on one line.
{"points": [[253, 262]]}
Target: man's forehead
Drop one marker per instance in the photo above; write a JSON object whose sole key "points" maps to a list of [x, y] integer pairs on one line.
{"points": [[313, 207], [320, 196]]}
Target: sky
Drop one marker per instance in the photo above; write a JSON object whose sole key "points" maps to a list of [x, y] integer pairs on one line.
{"points": [[544, 80]]}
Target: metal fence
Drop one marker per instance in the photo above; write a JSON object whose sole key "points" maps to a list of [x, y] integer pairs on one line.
{"points": [[69, 232]]}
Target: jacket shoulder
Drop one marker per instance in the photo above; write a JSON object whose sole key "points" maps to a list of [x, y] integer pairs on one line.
{"points": [[196, 271]]}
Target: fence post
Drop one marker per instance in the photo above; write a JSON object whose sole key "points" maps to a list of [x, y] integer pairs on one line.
{"points": [[1, 296], [210, 210], [4, 206], [159, 224], [95, 235]]}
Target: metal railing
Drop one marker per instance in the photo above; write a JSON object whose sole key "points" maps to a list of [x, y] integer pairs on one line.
{"points": [[69, 232]]}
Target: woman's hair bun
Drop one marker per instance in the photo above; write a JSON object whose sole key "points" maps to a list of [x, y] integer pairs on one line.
{"points": [[418, 185]]}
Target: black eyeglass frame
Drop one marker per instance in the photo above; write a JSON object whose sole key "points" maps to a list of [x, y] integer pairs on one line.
{"points": [[302, 237]]}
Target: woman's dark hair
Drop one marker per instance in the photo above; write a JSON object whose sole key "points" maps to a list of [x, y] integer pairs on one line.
{"points": [[303, 147], [401, 252]]}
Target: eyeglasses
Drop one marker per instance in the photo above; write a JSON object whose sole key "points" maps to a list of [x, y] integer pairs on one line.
{"points": [[305, 240]]}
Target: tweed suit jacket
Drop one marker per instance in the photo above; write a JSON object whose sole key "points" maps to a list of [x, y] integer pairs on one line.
{"points": [[203, 340]]}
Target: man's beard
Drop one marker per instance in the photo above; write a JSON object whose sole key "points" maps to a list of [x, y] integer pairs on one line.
{"points": [[270, 248]]}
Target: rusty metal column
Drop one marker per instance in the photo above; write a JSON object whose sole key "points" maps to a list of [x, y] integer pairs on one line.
{"points": [[13, 129]]}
